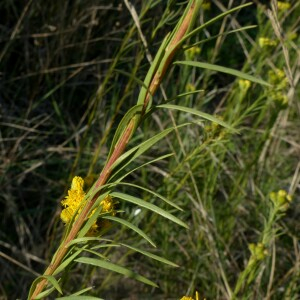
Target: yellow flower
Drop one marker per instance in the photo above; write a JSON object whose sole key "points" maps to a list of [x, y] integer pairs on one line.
{"points": [[73, 205], [281, 200], [192, 52], [191, 298], [278, 78], [291, 36], [72, 202], [206, 5], [266, 42], [283, 5], [190, 87], [244, 85], [258, 251]]}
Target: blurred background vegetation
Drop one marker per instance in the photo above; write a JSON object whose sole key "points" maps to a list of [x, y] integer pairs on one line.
{"points": [[65, 84]]}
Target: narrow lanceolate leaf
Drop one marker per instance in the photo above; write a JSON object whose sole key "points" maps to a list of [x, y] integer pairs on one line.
{"points": [[138, 150], [79, 298], [67, 261], [149, 206], [211, 21], [153, 193], [198, 113], [84, 240], [221, 69], [54, 283], [120, 178], [131, 226], [115, 268], [45, 293], [153, 256]]}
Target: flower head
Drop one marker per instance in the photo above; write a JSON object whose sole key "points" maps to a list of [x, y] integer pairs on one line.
{"points": [[266, 42], [206, 5], [258, 251], [281, 200], [283, 5], [244, 85], [191, 298], [192, 52], [74, 202]]}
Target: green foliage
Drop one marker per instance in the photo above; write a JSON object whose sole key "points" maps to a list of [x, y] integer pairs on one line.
{"points": [[72, 81]]}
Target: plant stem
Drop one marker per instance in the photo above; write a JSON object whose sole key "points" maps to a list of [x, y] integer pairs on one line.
{"points": [[170, 51]]}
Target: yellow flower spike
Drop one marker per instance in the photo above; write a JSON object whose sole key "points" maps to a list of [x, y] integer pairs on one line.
{"points": [[71, 203], [283, 5], [77, 184]]}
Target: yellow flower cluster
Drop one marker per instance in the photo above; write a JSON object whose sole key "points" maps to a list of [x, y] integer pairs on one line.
{"points": [[73, 204], [192, 52], [190, 87], [266, 42], [279, 81], [278, 78], [281, 200], [206, 5], [191, 298], [258, 251], [283, 5]]}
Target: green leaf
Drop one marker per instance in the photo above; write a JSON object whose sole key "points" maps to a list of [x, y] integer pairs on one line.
{"points": [[139, 167], [149, 206], [54, 282], [158, 57], [92, 219], [51, 279], [223, 70], [67, 261], [211, 21], [131, 226], [218, 35], [84, 240], [115, 268], [82, 291], [153, 193], [140, 149], [153, 256], [199, 114]]}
